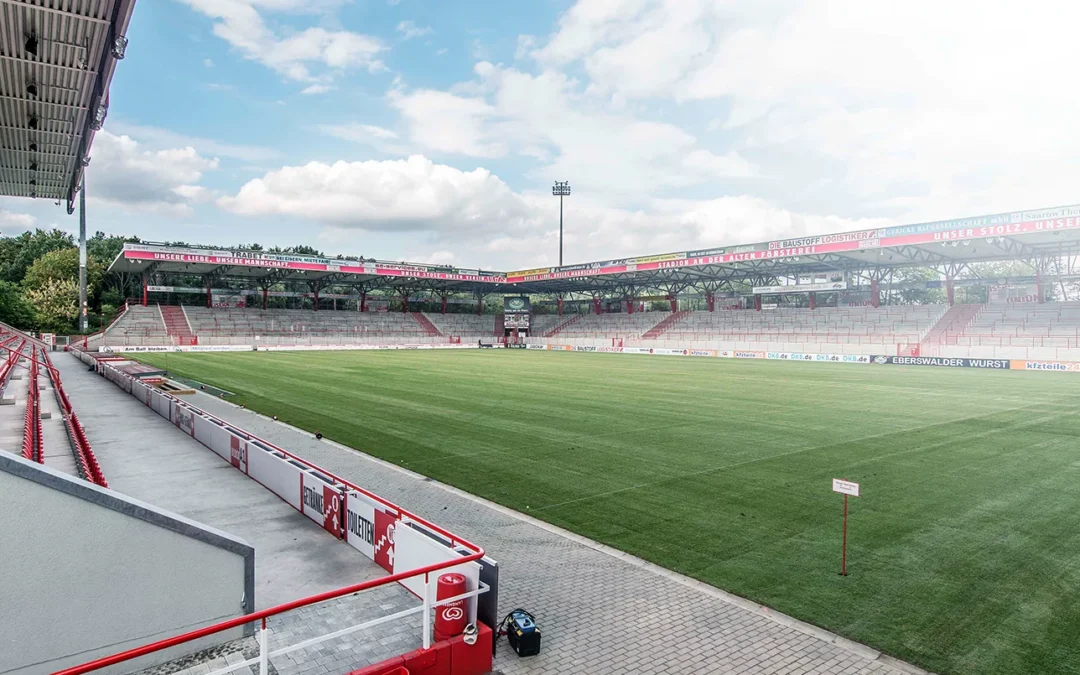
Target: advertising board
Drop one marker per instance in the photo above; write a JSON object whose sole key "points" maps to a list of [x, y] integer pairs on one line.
{"points": [[941, 362]]}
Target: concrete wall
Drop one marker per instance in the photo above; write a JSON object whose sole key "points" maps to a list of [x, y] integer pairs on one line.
{"points": [[87, 572]]}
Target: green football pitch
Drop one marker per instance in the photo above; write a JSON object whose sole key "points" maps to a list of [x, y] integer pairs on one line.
{"points": [[964, 548]]}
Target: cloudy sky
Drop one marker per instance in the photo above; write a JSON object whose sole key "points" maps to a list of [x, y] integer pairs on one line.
{"points": [[432, 130]]}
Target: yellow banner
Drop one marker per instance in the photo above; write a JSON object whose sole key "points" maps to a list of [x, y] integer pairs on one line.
{"points": [[656, 258], [529, 273]]}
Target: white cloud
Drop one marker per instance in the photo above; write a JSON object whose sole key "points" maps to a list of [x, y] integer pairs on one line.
{"points": [[128, 175], [209, 63], [410, 30], [444, 122], [413, 194], [474, 218], [379, 138], [158, 138], [316, 89], [913, 108], [525, 44], [358, 132], [16, 221], [576, 136], [239, 23]]}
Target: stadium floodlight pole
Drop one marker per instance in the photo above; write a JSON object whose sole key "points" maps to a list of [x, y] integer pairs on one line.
{"points": [[560, 190], [82, 256]]}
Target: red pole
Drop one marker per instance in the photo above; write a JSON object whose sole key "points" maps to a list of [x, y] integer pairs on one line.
{"points": [[208, 295], [144, 284], [265, 293], [316, 297], [444, 304], [363, 301], [560, 306], [843, 554]]}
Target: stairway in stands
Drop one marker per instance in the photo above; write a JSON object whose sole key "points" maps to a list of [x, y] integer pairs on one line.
{"points": [[555, 331], [430, 329], [952, 322], [659, 329], [176, 324]]}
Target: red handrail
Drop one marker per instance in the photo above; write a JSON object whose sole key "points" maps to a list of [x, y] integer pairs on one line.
{"points": [[84, 454], [261, 616]]}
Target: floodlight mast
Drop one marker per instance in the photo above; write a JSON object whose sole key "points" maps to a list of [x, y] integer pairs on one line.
{"points": [[560, 190]]}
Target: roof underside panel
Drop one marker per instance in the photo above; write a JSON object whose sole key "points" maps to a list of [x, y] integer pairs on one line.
{"points": [[56, 61]]}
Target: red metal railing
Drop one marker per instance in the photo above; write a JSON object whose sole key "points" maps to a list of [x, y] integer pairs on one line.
{"points": [[262, 616], [84, 454], [31, 448]]}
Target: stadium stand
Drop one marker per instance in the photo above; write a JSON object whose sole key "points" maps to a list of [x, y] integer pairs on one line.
{"points": [[1002, 330], [139, 326], [1018, 331], [176, 324], [59, 441], [543, 324], [463, 325], [295, 326], [847, 330], [610, 326]]}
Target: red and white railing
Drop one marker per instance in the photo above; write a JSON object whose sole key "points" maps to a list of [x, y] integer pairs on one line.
{"points": [[264, 654]]}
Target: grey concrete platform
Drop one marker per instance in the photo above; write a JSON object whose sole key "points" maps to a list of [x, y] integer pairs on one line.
{"points": [[12, 416], [144, 456]]}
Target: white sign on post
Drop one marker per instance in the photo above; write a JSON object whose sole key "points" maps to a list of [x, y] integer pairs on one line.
{"points": [[845, 487]]}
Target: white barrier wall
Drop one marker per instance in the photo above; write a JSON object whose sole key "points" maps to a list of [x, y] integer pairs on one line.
{"points": [[369, 525]]}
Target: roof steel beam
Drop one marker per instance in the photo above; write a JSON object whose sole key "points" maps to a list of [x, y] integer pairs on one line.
{"points": [[46, 64]]}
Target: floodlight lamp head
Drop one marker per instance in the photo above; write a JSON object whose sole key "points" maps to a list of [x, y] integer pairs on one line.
{"points": [[119, 47], [561, 189]]}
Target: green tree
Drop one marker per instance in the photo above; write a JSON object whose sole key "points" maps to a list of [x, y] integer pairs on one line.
{"points": [[298, 250], [105, 247], [916, 295], [57, 304], [15, 309], [64, 265], [17, 254]]}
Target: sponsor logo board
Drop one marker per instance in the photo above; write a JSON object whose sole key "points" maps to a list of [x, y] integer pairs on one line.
{"points": [[238, 452], [941, 362], [1056, 366]]}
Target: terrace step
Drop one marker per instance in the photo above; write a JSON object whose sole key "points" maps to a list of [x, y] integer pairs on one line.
{"points": [[669, 321], [555, 331], [429, 328]]}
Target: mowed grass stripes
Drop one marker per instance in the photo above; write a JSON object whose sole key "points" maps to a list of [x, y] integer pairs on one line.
{"points": [[964, 550]]}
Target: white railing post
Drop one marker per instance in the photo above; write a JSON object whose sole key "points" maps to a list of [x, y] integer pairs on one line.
{"points": [[264, 655], [427, 611]]}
